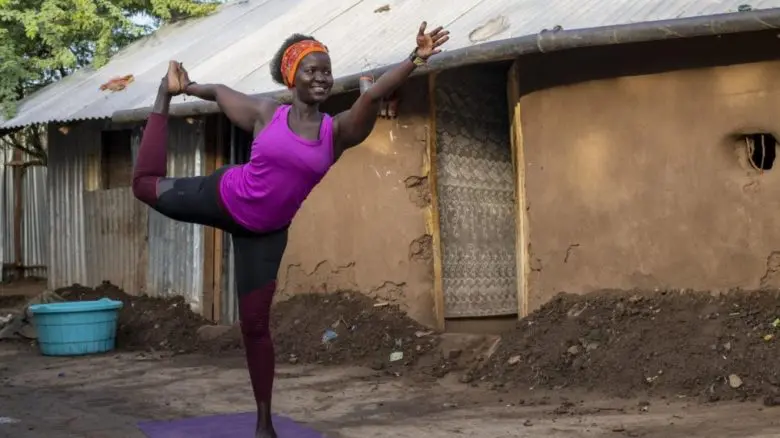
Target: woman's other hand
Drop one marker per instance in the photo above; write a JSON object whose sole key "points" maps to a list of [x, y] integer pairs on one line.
{"points": [[428, 44]]}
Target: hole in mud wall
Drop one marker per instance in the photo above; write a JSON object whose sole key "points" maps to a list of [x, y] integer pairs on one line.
{"points": [[761, 150]]}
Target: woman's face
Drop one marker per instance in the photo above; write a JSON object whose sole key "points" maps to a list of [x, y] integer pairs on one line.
{"points": [[313, 80]]}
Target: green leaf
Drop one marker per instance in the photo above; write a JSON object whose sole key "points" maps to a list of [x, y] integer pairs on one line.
{"points": [[42, 41]]}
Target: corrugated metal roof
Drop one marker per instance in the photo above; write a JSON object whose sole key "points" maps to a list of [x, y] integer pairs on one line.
{"points": [[234, 45]]}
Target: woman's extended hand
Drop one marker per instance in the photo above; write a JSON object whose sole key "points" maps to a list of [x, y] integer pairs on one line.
{"points": [[428, 43]]}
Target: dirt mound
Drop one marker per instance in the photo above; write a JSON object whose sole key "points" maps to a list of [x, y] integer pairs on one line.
{"points": [[662, 343], [12, 301], [146, 323], [343, 328]]}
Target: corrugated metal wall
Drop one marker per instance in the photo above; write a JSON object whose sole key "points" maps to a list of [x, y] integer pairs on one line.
{"points": [[229, 298], [34, 220], [73, 160], [240, 145], [6, 210], [35, 228], [167, 262], [175, 248], [116, 227]]}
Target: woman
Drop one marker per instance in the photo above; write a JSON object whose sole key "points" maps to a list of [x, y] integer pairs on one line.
{"points": [[294, 147]]}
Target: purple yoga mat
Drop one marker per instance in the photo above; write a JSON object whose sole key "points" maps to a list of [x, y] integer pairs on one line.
{"points": [[223, 426]]}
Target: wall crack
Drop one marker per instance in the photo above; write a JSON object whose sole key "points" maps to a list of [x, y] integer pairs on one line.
{"points": [[534, 263], [770, 277], [323, 278], [569, 251], [332, 270]]}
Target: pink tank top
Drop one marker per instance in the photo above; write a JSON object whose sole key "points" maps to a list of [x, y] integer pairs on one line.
{"points": [[264, 194]]}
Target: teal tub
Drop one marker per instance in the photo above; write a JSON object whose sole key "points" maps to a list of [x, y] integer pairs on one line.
{"points": [[76, 328]]}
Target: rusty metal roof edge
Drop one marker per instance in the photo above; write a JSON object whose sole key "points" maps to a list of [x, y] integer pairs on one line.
{"points": [[542, 42], [4, 130]]}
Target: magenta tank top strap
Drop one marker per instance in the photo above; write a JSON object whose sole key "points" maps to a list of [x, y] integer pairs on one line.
{"points": [[281, 110]]}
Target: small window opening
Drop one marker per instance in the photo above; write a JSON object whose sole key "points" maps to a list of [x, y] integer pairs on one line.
{"points": [[116, 159], [761, 150]]}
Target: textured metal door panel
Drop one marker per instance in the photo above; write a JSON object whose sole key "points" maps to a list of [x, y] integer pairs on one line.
{"points": [[475, 182]]}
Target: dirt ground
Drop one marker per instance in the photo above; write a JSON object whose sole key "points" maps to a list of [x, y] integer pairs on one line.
{"points": [[636, 364], [105, 396]]}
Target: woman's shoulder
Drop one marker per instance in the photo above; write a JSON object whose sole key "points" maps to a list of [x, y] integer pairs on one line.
{"points": [[267, 110]]}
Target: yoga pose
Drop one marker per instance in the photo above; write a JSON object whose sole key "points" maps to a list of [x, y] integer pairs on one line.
{"points": [[294, 146]]}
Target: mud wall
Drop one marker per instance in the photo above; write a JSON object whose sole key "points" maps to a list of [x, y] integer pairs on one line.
{"points": [[363, 228], [640, 182]]}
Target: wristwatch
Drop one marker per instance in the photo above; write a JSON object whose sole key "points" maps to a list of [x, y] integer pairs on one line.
{"points": [[416, 59]]}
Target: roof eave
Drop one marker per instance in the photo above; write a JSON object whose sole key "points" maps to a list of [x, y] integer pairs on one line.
{"points": [[542, 42]]}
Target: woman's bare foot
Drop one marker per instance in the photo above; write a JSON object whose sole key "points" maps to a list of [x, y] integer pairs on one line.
{"points": [[184, 79], [265, 425], [173, 78], [265, 433]]}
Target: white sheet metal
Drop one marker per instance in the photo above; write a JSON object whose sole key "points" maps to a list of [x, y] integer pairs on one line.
{"points": [[235, 44]]}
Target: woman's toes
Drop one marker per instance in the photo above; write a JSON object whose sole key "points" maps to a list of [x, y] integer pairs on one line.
{"points": [[174, 82]]}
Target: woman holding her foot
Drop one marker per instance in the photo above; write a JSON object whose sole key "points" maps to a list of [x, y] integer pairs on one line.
{"points": [[294, 146]]}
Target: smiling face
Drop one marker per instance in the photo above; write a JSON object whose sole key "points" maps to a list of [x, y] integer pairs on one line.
{"points": [[313, 79]]}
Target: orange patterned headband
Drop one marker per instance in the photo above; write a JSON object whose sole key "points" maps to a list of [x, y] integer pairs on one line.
{"points": [[293, 56]]}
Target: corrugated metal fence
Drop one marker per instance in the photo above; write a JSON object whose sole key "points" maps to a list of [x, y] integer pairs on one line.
{"points": [[116, 225], [175, 249], [34, 216], [107, 234], [73, 159]]}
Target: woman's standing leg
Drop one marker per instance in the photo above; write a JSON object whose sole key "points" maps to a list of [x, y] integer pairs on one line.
{"points": [[257, 261]]}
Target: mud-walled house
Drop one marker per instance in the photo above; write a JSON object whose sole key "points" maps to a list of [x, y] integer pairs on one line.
{"points": [[547, 149]]}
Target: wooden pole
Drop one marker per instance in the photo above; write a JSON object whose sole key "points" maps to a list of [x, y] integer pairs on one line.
{"points": [[209, 133], [222, 141], [18, 205], [523, 268], [433, 217]]}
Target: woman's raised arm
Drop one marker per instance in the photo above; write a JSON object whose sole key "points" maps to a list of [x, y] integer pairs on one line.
{"points": [[353, 126], [247, 112]]}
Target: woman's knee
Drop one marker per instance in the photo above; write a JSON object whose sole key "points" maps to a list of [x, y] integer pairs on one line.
{"points": [[255, 325], [255, 311], [145, 189], [253, 329]]}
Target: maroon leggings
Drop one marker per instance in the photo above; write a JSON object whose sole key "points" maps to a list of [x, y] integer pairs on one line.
{"points": [[257, 256]]}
